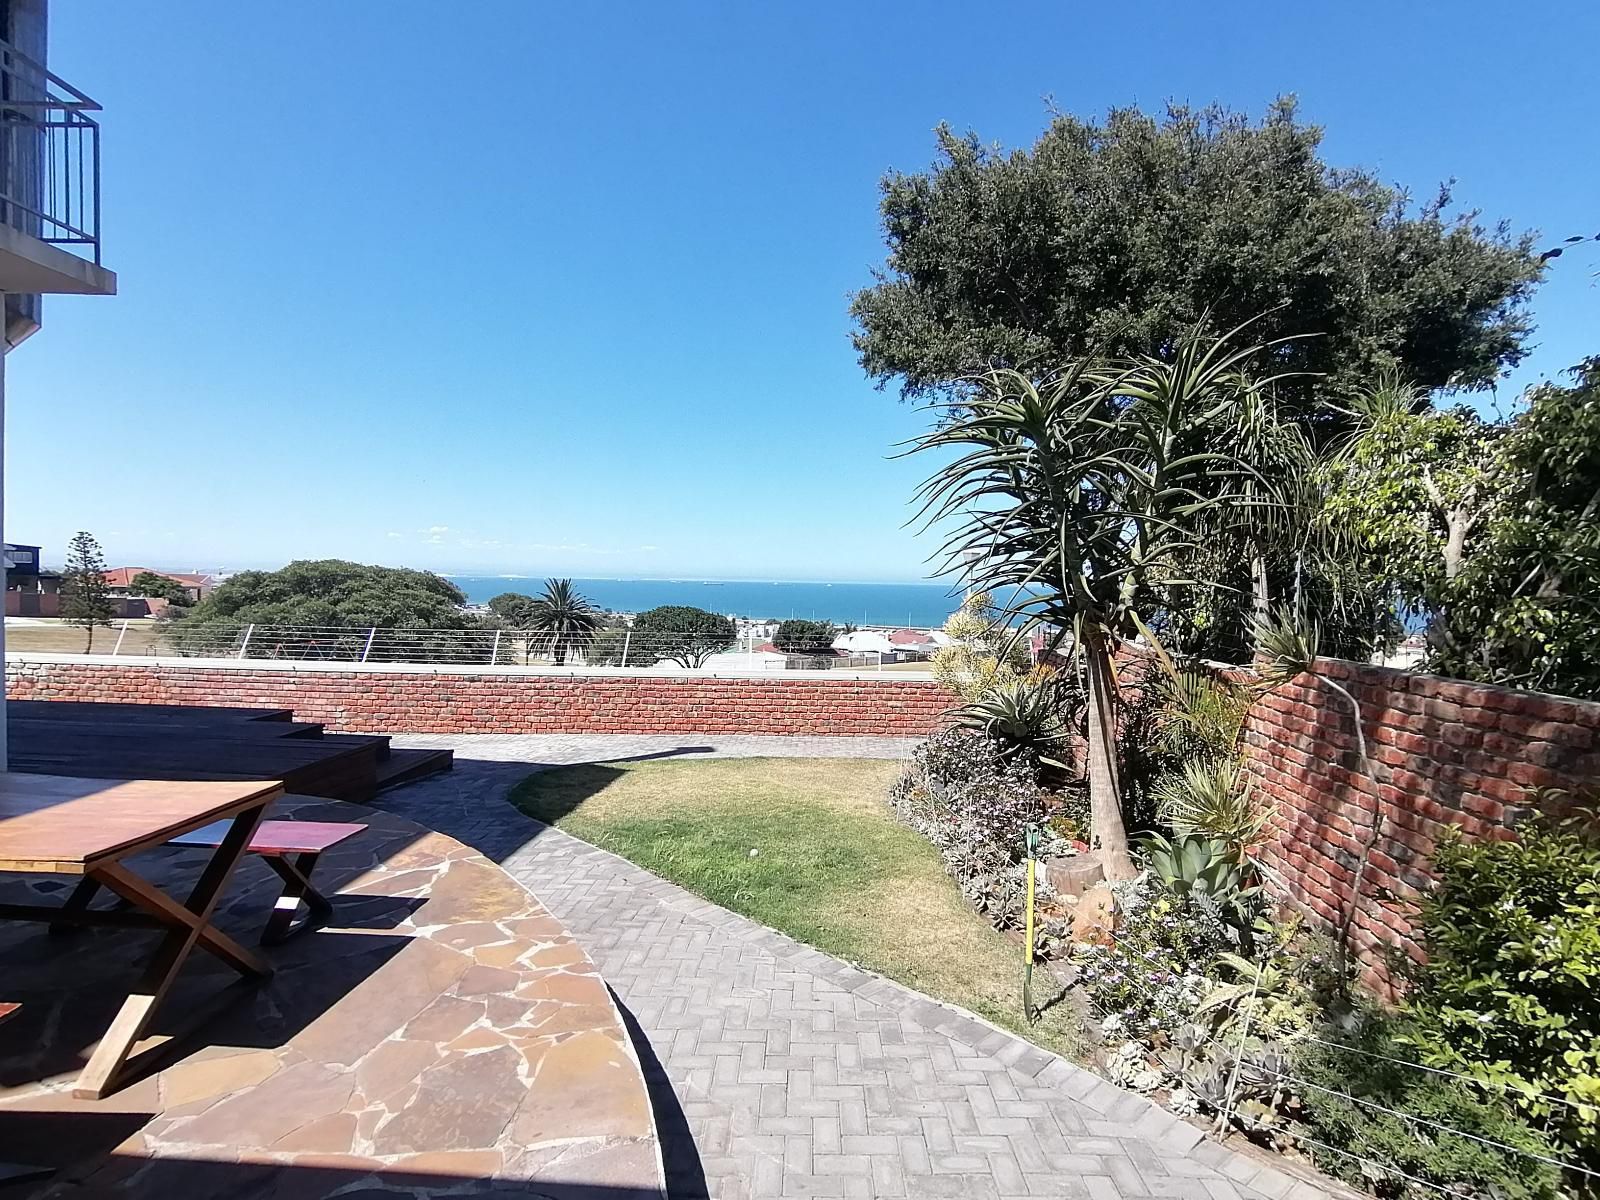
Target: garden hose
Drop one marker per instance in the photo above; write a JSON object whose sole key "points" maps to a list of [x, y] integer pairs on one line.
{"points": [[1030, 841]]}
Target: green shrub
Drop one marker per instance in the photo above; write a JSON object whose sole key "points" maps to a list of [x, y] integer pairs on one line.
{"points": [[1511, 991], [1376, 1150], [1149, 982], [973, 799], [1024, 716], [1206, 873], [804, 637]]}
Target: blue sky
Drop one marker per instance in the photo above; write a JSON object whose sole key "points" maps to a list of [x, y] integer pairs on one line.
{"points": [[520, 287]]}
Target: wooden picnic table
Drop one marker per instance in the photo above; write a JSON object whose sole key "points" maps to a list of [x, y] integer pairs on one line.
{"points": [[57, 825]]}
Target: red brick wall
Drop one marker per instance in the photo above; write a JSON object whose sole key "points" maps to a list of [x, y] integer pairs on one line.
{"points": [[439, 702], [1444, 753]]}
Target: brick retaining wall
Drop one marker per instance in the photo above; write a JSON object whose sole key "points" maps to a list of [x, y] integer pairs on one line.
{"points": [[1444, 753], [423, 700]]}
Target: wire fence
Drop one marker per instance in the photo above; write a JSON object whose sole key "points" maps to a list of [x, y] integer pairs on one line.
{"points": [[1274, 1073], [508, 647]]}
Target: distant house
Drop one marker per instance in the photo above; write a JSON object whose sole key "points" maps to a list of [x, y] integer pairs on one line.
{"points": [[896, 645], [864, 641], [119, 581], [31, 591]]}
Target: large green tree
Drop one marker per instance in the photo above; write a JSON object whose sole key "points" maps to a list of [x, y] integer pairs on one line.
{"points": [[1407, 492], [1117, 236], [332, 592], [679, 633], [797, 636], [564, 620], [1524, 607], [160, 587], [85, 597]]}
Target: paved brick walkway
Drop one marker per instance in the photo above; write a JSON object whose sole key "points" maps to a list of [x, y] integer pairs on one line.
{"points": [[780, 1071]]}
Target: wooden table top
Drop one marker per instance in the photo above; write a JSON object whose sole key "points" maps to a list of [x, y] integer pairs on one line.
{"points": [[61, 825]]}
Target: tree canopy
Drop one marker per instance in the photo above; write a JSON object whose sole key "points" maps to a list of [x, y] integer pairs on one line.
{"points": [[796, 636], [333, 592], [516, 609], [1115, 237], [160, 587], [681, 634], [1524, 608]]}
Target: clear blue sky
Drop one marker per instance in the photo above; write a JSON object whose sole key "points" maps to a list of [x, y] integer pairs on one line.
{"points": [[526, 287]]}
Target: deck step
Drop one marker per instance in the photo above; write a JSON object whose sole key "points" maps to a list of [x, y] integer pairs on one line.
{"points": [[404, 766]]}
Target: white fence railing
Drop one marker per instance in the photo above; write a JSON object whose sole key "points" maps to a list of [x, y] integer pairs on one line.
{"points": [[620, 647]]}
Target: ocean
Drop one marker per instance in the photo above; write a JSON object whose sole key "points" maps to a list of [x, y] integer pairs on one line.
{"points": [[919, 605]]}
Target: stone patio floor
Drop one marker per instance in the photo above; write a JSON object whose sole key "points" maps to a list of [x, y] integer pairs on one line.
{"points": [[776, 1070], [443, 1035]]}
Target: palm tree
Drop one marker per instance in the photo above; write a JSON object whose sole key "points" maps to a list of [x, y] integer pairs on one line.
{"points": [[1080, 494], [566, 619]]}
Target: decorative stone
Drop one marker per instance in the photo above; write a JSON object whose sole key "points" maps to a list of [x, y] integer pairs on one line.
{"points": [[1094, 920]]}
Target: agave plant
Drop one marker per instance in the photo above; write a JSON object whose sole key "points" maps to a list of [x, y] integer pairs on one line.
{"points": [[1204, 872], [1025, 716], [1214, 798]]}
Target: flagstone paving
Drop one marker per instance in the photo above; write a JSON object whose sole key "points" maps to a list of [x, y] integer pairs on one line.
{"points": [[777, 1070], [444, 1034]]}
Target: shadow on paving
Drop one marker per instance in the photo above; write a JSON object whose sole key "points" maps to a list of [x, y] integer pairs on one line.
{"points": [[195, 1179], [477, 821], [686, 1176]]}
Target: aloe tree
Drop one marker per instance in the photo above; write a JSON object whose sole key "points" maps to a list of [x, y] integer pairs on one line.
{"points": [[1080, 494], [565, 620]]}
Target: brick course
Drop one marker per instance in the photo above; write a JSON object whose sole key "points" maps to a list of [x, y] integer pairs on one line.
{"points": [[1445, 753], [425, 701]]}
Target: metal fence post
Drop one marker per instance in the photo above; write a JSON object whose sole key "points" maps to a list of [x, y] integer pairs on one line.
{"points": [[367, 649], [627, 639], [245, 645], [494, 651], [121, 633]]}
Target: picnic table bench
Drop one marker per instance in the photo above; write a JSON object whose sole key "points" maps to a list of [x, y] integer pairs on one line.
{"points": [[290, 848], [58, 825]]}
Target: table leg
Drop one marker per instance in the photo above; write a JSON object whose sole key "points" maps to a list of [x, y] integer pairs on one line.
{"points": [[82, 897], [191, 926], [297, 889]]}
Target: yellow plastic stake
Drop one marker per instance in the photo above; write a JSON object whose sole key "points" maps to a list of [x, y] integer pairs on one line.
{"points": [[1027, 951]]}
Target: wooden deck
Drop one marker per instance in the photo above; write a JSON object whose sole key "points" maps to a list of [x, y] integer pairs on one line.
{"points": [[165, 741]]}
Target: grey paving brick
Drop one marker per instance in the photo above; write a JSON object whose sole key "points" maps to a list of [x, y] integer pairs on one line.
{"points": [[793, 1073]]}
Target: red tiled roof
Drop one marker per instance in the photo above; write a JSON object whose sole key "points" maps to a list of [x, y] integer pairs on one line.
{"points": [[121, 577], [909, 637]]}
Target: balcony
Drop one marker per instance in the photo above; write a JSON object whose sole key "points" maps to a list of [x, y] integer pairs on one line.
{"points": [[49, 184]]}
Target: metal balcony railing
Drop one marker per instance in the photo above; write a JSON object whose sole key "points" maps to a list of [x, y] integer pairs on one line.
{"points": [[49, 156]]}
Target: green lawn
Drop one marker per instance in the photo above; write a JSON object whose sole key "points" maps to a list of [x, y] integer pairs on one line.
{"points": [[808, 846]]}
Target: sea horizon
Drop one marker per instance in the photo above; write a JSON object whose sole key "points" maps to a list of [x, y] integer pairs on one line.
{"points": [[917, 605]]}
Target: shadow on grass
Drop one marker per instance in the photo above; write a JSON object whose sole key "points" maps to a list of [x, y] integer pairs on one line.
{"points": [[581, 782]]}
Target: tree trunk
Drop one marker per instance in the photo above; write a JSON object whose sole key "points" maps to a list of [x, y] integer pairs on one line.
{"points": [[1459, 522], [88, 643], [1260, 593], [1105, 783]]}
